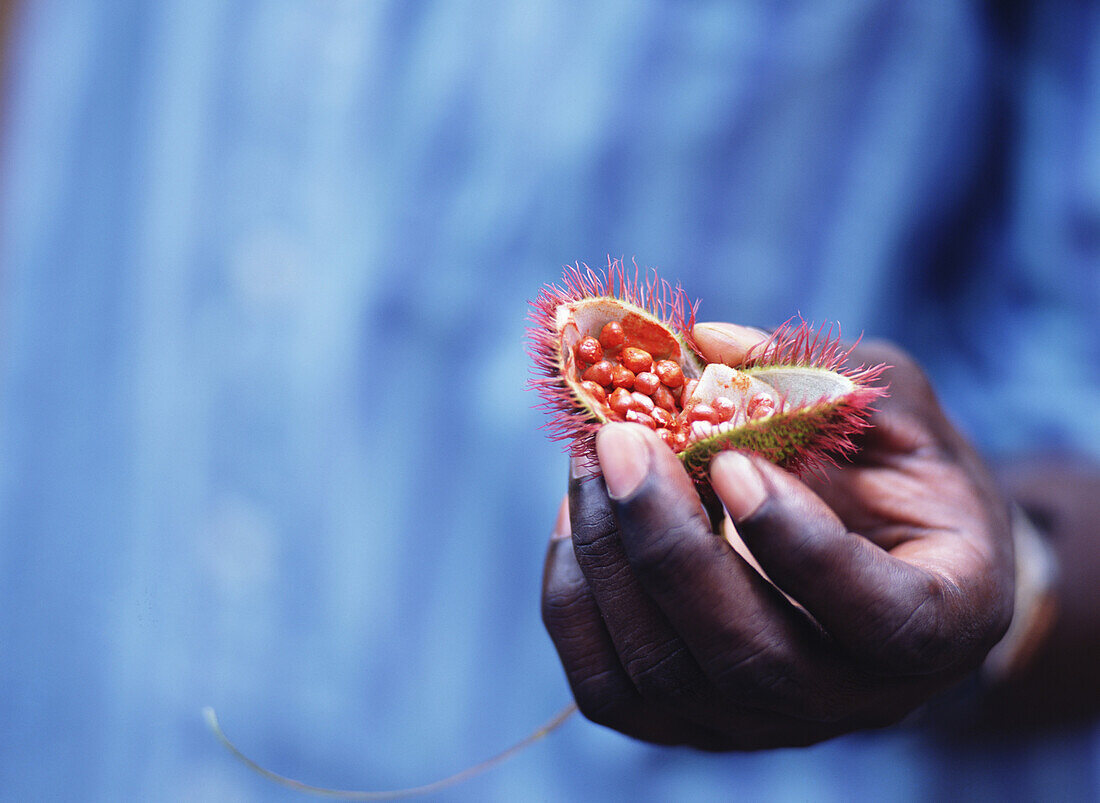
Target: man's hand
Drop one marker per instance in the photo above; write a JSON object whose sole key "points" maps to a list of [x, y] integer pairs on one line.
{"points": [[890, 579]]}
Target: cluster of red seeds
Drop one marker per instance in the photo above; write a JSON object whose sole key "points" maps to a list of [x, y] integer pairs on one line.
{"points": [[637, 388]]}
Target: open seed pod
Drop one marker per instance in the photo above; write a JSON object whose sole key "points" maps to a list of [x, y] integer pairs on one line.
{"points": [[608, 347]]}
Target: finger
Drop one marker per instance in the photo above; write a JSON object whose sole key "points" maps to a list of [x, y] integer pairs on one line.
{"points": [[890, 496], [726, 342], [904, 453], [751, 643], [909, 386], [649, 649], [600, 686], [909, 419], [606, 695], [901, 616]]}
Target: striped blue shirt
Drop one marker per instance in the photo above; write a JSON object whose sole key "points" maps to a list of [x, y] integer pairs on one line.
{"points": [[264, 438]]}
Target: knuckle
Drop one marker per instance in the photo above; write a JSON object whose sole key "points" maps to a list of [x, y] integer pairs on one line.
{"points": [[558, 608], [573, 629], [564, 605], [661, 673], [601, 560], [593, 526], [658, 558], [922, 641], [601, 700], [792, 539], [741, 675], [765, 679]]}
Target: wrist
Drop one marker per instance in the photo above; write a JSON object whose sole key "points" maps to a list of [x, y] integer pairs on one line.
{"points": [[1035, 606]]}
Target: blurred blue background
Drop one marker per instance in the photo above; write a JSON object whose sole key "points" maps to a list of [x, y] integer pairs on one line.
{"points": [[264, 437]]}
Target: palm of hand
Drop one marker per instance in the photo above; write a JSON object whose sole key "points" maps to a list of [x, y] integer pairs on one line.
{"points": [[900, 566]]}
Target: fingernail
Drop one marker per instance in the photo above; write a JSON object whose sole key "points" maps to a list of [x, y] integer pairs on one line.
{"points": [[582, 466], [561, 525], [727, 340], [624, 458], [738, 483]]}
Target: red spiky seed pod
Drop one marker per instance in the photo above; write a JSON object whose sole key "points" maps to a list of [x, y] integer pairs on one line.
{"points": [[793, 400]]}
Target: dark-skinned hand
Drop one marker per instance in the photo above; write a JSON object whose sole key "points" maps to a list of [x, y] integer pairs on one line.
{"points": [[890, 579]]}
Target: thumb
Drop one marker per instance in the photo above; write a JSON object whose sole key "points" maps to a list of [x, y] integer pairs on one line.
{"points": [[726, 342], [880, 608]]}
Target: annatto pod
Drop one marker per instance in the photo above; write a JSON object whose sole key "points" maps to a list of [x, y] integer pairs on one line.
{"points": [[609, 346]]}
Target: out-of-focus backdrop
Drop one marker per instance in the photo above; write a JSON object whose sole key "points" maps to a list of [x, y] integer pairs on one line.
{"points": [[264, 437]]}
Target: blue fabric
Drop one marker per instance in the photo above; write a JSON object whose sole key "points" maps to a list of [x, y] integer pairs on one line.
{"points": [[264, 438]]}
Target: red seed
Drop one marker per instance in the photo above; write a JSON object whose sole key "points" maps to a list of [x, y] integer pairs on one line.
{"points": [[600, 373], [647, 382], [622, 377], [662, 416], [724, 407], [636, 359], [701, 411], [760, 406], [595, 391], [670, 373], [689, 388], [590, 350], [663, 397], [612, 335], [642, 402], [641, 418], [664, 435], [621, 401]]}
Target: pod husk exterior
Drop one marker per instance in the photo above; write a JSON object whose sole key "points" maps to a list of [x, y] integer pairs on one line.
{"points": [[800, 437], [571, 415]]}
